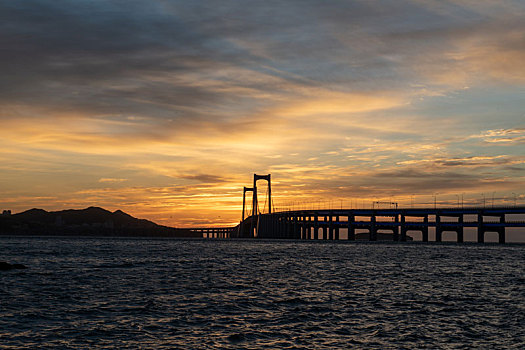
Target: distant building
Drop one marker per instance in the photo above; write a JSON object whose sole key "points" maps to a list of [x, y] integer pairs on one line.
{"points": [[6, 213]]}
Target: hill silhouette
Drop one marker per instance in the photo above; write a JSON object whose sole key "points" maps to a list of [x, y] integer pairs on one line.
{"points": [[92, 221]]}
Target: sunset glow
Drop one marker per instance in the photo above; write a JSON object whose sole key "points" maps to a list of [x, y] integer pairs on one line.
{"points": [[165, 109]]}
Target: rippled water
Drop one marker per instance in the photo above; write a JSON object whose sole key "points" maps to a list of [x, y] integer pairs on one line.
{"points": [[144, 293]]}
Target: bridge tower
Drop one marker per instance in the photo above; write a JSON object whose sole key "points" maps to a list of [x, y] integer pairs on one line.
{"points": [[255, 202], [241, 225], [246, 189]]}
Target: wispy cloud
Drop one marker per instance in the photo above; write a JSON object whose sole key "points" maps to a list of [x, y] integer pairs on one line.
{"points": [[111, 180], [166, 108]]}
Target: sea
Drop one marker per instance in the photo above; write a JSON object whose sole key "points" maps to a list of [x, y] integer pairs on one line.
{"points": [[144, 293]]}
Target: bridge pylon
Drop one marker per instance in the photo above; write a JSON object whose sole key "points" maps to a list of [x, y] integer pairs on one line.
{"points": [[255, 210]]}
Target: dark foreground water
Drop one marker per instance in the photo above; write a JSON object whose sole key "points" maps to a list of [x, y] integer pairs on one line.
{"points": [[198, 294]]}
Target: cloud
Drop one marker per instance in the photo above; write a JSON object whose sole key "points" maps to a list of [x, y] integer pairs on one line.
{"points": [[504, 136], [206, 178], [185, 100], [472, 161], [111, 180]]}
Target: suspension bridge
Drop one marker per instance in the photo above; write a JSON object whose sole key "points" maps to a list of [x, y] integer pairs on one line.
{"points": [[328, 224]]}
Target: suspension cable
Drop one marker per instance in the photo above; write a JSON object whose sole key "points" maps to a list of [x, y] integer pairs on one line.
{"points": [[265, 199]]}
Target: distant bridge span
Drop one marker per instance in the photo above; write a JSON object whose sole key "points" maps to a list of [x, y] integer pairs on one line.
{"points": [[325, 224]]}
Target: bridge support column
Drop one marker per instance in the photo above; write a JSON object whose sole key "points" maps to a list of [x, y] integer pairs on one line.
{"points": [[283, 227], [481, 229], [325, 228], [309, 228], [403, 229], [336, 229], [351, 228], [296, 232], [439, 229], [303, 226], [316, 226], [501, 233], [330, 228], [287, 226], [277, 225], [373, 229], [399, 228], [424, 231], [460, 228]]}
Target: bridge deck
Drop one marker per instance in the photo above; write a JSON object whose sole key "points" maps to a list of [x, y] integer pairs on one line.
{"points": [[306, 224]]}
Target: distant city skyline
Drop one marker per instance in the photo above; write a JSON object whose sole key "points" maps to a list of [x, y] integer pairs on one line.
{"points": [[166, 109]]}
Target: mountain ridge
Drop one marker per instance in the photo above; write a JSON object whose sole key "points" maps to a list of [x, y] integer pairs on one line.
{"points": [[91, 221]]}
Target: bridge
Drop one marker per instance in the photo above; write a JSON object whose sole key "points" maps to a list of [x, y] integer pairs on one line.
{"points": [[327, 224]]}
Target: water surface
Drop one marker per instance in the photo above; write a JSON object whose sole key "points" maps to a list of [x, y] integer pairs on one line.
{"points": [[167, 293]]}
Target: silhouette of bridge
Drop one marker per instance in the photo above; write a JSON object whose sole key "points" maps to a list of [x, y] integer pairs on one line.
{"points": [[326, 224]]}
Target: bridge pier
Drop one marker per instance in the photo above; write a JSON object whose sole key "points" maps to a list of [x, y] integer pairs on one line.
{"points": [[460, 229], [302, 229], [439, 230], [311, 228], [316, 227], [481, 230], [295, 227], [284, 226], [336, 232], [399, 229], [404, 229], [424, 231], [291, 226], [306, 227], [325, 229], [373, 229], [330, 228], [501, 234], [351, 228]]}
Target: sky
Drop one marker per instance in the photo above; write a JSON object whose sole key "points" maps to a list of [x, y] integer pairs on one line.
{"points": [[166, 109]]}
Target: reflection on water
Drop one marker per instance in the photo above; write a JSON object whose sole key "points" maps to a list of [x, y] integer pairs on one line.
{"points": [[163, 293]]}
